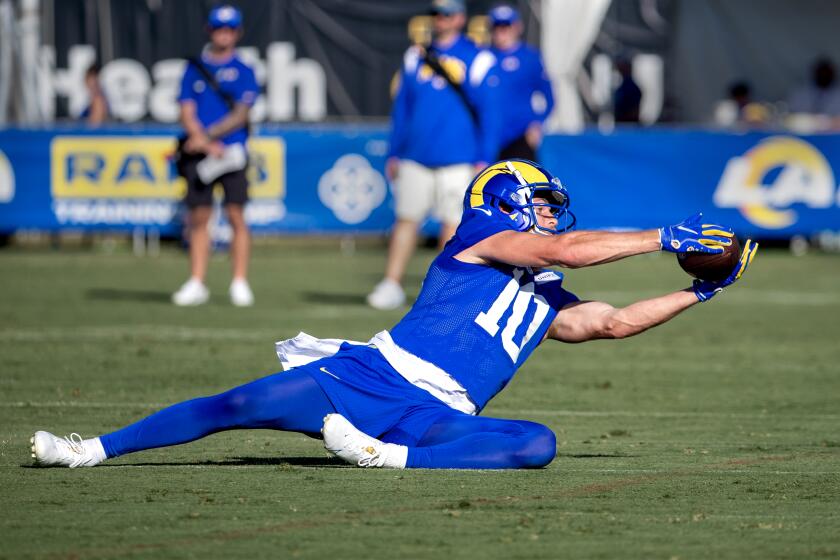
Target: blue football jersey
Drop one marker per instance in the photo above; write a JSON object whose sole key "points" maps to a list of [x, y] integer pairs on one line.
{"points": [[524, 91], [234, 77], [480, 323]]}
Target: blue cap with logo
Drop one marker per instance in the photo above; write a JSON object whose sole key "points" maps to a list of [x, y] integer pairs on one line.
{"points": [[503, 15], [224, 16], [447, 7]]}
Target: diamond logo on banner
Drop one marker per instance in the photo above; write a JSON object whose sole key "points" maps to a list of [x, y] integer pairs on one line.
{"points": [[352, 189]]}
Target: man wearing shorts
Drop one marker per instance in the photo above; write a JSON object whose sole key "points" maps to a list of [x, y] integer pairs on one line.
{"points": [[215, 118], [439, 139]]}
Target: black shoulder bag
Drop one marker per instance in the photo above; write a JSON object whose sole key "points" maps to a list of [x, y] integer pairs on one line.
{"points": [[431, 58]]}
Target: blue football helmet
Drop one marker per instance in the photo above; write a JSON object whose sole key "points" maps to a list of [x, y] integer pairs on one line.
{"points": [[507, 190]]}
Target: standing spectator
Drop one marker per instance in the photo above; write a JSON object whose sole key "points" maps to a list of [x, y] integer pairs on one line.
{"points": [[627, 98], [97, 111], [524, 91], [444, 129], [217, 92], [822, 95]]}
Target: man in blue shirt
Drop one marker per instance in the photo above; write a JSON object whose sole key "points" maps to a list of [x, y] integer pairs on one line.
{"points": [[217, 92], [444, 129], [524, 89], [411, 397]]}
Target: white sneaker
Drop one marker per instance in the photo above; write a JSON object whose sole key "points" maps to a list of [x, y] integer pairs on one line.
{"points": [[386, 295], [240, 293], [343, 440], [73, 451], [193, 292]]}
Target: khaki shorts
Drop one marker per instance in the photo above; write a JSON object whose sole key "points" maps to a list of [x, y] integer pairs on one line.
{"points": [[420, 191]]}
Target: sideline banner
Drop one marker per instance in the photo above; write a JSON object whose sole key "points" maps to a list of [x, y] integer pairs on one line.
{"points": [[121, 179], [762, 185], [331, 179]]}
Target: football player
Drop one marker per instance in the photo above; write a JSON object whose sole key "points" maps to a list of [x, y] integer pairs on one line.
{"points": [[411, 396]]}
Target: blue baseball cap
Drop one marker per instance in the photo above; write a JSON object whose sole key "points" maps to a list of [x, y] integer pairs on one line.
{"points": [[503, 15], [224, 16], [447, 7]]}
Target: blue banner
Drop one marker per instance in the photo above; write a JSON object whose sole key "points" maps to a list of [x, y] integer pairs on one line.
{"points": [[763, 185], [331, 179], [301, 180]]}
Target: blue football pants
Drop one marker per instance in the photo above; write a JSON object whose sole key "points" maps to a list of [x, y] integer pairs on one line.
{"points": [[293, 401]]}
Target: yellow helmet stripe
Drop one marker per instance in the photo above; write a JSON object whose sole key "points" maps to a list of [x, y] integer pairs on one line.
{"points": [[477, 190], [530, 173]]}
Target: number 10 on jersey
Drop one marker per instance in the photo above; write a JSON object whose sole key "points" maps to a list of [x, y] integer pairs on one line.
{"points": [[520, 297]]}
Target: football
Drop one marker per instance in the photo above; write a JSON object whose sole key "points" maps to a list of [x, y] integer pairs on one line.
{"points": [[711, 267]]}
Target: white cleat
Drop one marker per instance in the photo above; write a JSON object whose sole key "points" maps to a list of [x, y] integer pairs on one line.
{"points": [[343, 440], [193, 292], [241, 294], [386, 295], [49, 450]]}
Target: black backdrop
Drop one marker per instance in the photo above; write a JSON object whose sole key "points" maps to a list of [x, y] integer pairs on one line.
{"points": [[359, 43]]}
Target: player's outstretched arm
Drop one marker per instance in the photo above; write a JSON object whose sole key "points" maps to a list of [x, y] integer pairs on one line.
{"points": [[592, 320], [577, 249], [571, 250]]}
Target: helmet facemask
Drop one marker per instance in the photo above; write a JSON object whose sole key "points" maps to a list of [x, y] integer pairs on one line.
{"points": [[556, 201], [504, 188]]}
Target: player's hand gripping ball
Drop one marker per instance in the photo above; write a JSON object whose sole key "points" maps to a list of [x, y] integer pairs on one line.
{"points": [[714, 267], [707, 289], [693, 236]]}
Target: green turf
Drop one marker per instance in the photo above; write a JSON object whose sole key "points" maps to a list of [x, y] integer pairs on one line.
{"points": [[716, 436]]}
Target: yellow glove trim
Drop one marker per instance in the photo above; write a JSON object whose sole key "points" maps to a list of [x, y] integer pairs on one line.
{"points": [[750, 249], [714, 243], [718, 232]]}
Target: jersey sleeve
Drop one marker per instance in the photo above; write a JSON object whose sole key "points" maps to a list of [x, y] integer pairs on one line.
{"points": [[400, 112], [247, 88], [477, 226], [187, 92], [550, 285]]}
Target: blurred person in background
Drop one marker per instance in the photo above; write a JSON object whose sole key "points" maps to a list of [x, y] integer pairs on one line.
{"points": [[739, 109], [217, 92], [444, 128], [97, 111], [627, 98], [821, 96], [524, 87]]}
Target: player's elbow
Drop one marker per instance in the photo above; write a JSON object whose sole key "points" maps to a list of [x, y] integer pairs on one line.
{"points": [[616, 330], [614, 327]]}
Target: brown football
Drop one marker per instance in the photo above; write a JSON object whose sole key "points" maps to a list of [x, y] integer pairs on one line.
{"points": [[711, 267]]}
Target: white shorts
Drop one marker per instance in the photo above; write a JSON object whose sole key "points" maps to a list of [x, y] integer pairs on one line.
{"points": [[421, 190]]}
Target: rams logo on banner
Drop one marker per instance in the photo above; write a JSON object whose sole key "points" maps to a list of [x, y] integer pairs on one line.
{"points": [[120, 167], [131, 180], [774, 175], [7, 179]]}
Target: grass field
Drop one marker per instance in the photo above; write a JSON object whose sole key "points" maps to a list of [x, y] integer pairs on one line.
{"points": [[715, 436]]}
